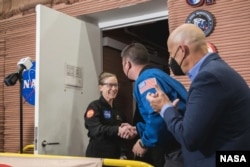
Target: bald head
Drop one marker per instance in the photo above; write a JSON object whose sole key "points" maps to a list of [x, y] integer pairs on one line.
{"points": [[188, 34], [187, 45]]}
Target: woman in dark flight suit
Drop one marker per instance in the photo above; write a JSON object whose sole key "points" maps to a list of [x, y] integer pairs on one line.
{"points": [[103, 122]]}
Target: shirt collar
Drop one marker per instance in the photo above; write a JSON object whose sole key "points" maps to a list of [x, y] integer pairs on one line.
{"points": [[104, 102], [196, 68]]}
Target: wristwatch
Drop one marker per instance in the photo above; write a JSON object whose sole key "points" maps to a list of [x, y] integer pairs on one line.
{"points": [[123, 157], [141, 144]]}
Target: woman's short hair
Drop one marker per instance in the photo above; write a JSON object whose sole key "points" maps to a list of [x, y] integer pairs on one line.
{"points": [[103, 76]]}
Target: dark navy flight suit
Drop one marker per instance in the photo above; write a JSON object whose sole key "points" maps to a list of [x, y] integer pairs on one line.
{"points": [[102, 122]]}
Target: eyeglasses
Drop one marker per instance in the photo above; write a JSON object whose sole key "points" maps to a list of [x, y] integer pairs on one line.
{"points": [[110, 85]]}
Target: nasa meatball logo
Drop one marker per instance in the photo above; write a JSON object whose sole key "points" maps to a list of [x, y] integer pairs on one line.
{"points": [[194, 3], [29, 80], [203, 19]]}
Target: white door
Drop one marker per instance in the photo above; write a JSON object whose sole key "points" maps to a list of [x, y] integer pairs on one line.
{"points": [[68, 61]]}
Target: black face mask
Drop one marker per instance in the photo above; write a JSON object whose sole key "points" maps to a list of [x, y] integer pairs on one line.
{"points": [[175, 67]]}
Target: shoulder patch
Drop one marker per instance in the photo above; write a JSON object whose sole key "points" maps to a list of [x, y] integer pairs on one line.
{"points": [[90, 113], [147, 84]]}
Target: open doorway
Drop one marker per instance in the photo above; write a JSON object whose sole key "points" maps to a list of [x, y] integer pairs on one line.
{"points": [[153, 35]]}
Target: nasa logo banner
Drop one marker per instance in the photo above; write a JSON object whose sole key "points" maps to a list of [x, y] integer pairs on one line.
{"points": [[232, 158], [28, 90], [203, 19]]}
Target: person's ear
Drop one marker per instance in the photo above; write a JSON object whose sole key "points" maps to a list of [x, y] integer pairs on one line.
{"points": [[129, 65], [184, 50]]}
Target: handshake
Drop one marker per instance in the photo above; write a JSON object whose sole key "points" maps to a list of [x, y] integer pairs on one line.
{"points": [[127, 131]]}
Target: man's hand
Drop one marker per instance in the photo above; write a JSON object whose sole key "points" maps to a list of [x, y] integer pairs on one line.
{"points": [[127, 131], [158, 99], [138, 150]]}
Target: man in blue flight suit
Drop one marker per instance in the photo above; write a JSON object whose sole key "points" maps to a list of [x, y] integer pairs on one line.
{"points": [[155, 141]]}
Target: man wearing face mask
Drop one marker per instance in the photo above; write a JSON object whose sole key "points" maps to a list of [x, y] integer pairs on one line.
{"points": [[217, 116], [155, 141]]}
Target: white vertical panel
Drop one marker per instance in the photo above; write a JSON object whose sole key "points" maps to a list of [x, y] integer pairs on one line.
{"points": [[59, 105]]}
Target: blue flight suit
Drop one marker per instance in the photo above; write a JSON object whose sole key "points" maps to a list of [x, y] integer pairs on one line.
{"points": [[154, 131]]}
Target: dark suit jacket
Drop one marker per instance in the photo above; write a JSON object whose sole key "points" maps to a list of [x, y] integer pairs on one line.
{"points": [[217, 115]]}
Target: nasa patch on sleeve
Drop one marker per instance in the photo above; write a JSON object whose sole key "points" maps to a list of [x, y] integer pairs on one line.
{"points": [[232, 158]]}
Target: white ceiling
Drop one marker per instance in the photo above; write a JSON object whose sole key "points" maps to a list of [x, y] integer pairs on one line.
{"points": [[150, 11]]}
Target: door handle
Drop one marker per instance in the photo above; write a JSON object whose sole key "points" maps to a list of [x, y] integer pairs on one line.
{"points": [[45, 143]]}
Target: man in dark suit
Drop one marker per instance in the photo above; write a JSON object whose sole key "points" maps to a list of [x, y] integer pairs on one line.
{"points": [[217, 115]]}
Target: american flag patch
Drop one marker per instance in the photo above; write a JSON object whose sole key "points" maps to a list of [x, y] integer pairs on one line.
{"points": [[147, 84]]}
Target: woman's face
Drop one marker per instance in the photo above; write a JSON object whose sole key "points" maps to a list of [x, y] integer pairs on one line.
{"points": [[109, 88]]}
